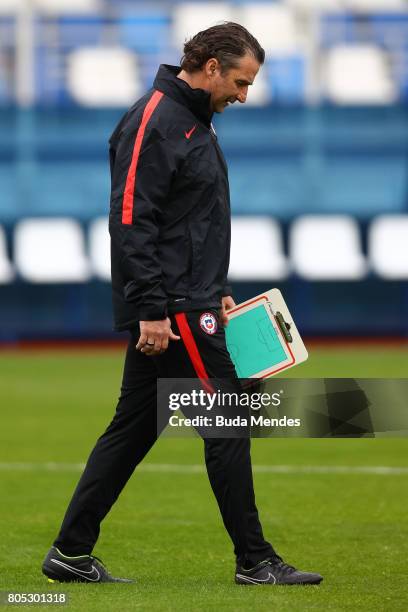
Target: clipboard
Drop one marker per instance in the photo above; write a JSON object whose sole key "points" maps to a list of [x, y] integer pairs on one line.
{"points": [[262, 337]]}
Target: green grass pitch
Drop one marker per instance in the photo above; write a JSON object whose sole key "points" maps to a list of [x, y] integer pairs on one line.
{"points": [[165, 530]]}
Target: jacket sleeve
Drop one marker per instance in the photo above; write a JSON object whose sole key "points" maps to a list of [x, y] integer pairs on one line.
{"points": [[227, 291], [140, 189]]}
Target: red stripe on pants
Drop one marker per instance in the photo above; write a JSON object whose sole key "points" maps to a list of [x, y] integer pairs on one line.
{"points": [[127, 205], [192, 350]]}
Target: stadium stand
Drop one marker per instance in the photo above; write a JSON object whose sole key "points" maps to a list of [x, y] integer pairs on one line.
{"points": [[67, 7], [6, 269], [388, 246], [326, 248], [385, 31], [316, 5], [321, 305], [358, 74], [50, 251], [320, 247], [146, 30], [191, 17], [263, 257], [368, 6], [320, 149], [99, 248], [293, 33], [11, 7], [105, 76], [273, 24]]}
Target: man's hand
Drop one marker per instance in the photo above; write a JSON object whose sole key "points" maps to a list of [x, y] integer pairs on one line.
{"points": [[227, 303], [154, 336]]}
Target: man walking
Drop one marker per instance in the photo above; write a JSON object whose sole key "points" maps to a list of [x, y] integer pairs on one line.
{"points": [[170, 243]]}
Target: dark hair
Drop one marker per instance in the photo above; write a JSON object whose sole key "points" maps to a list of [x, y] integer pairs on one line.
{"points": [[227, 42]]}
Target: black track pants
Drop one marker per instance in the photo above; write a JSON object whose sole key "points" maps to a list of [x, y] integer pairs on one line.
{"points": [[133, 432]]}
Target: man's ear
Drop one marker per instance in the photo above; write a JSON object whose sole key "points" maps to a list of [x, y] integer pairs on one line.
{"points": [[211, 67]]}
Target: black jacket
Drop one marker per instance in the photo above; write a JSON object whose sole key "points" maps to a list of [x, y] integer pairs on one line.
{"points": [[170, 212]]}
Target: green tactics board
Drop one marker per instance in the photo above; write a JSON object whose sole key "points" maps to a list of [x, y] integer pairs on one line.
{"points": [[262, 338]]}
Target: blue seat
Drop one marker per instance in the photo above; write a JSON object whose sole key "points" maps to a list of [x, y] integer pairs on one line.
{"points": [[389, 29], [338, 28], [81, 31], [146, 31], [287, 76]]}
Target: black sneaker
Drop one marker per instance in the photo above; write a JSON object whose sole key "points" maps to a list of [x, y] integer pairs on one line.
{"points": [[85, 568], [275, 571]]}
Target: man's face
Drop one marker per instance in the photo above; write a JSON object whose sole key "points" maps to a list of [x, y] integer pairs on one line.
{"points": [[233, 85]]}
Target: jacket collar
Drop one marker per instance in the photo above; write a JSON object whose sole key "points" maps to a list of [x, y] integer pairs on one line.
{"points": [[197, 100]]}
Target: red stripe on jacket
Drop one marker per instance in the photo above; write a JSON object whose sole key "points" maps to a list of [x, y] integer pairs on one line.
{"points": [[192, 350], [128, 195]]}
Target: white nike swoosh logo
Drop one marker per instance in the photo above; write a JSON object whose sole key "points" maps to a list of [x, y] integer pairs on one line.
{"points": [[257, 580], [93, 575]]}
